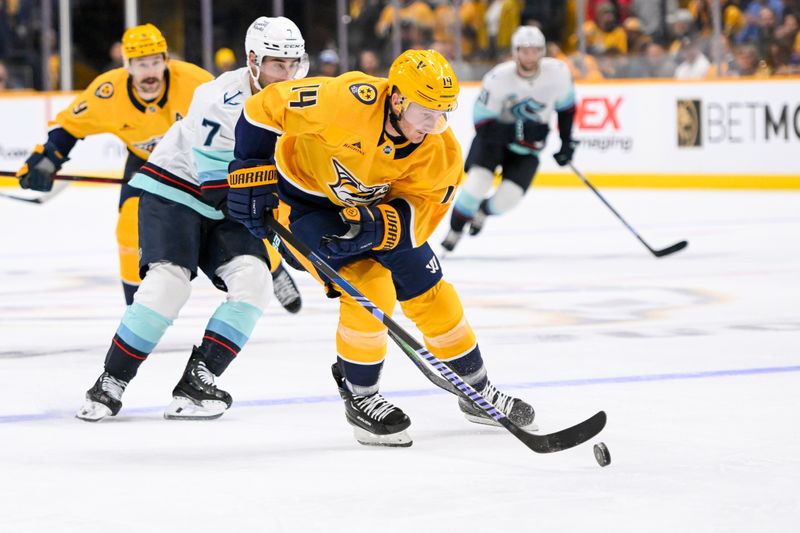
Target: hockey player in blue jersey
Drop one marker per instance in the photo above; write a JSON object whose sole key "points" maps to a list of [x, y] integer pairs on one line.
{"points": [[182, 228], [512, 116]]}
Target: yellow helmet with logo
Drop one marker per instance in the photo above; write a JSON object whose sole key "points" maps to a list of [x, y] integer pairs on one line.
{"points": [[143, 40], [426, 78]]}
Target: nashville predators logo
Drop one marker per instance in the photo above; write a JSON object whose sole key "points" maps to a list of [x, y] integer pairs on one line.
{"points": [[352, 192], [106, 90], [149, 145], [364, 92]]}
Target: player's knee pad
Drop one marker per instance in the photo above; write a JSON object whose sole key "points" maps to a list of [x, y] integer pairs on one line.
{"points": [[506, 198], [165, 289], [248, 280], [128, 240], [360, 337], [439, 315], [474, 190]]}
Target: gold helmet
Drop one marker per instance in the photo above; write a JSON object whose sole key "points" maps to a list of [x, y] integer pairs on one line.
{"points": [[143, 40], [426, 78]]}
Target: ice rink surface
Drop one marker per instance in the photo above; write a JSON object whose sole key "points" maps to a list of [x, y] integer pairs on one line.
{"points": [[695, 358]]}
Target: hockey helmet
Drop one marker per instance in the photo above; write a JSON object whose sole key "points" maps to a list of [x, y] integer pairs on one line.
{"points": [[527, 36], [143, 40], [276, 37], [426, 78]]}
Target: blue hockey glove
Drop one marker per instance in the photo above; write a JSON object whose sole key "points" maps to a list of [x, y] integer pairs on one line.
{"points": [[371, 228], [564, 156], [252, 194], [37, 171]]}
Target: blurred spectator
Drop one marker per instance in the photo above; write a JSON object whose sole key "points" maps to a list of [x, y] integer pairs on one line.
{"points": [[658, 62], [623, 8], [753, 11], [759, 31], [649, 12], [114, 56], [680, 24], [415, 19], [733, 20], [604, 32], [702, 18], [444, 21], [474, 38], [745, 61], [328, 63], [582, 66], [369, 63], [502, 18], [224, 60], [694, 64], [365, 15], [778, 60], [637, 38], [612, 63], [789, 34]]}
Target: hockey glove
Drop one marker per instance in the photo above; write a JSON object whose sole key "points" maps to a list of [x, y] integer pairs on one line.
{"points": [[564, 156], [252, 194], [37, 171], [371, 228], [531, 134]]}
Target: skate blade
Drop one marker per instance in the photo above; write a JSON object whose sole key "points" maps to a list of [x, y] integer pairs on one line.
{"points": [[183, 408], [401, 439], [93, 411], [532, 427]]}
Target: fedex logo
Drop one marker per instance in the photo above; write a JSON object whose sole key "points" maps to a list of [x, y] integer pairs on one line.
{"points": [[598, 113]]}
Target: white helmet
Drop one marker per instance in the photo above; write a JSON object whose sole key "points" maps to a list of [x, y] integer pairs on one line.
{"points": [[275, 37], [527, 36]]}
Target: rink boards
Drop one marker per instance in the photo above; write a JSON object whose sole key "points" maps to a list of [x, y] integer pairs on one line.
{"points": [[715, 134]]}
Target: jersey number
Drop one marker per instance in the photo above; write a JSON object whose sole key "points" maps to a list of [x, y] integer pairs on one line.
{"points": [[213, 131], [306, 96]]}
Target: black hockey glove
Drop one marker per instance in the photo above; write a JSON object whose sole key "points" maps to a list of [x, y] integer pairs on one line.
{"points": [[564, 156], [252, 194], [531, 134], [37, 171], [370, 228]]}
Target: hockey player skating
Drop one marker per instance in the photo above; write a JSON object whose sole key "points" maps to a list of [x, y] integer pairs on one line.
{"points": [[137, 103], [511, 118], [183, 190], [365, 169]]}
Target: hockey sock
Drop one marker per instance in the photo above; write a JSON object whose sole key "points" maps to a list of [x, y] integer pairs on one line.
{"points": [[227, 332], [458, 220], [138, 333], [470, 367], [362, 379]]}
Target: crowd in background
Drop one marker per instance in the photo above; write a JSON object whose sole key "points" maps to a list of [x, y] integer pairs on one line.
{"points": [[619, 38]]}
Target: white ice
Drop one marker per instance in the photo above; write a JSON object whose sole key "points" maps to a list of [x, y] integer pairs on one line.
{"points": [[695, 357]]}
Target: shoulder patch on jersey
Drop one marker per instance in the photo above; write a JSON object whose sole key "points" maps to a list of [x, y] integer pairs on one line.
{"points": [[81, 107], [106, 90], [364, 92]]}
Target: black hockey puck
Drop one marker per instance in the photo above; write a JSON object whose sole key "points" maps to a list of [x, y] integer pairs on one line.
{"points": [[602, 454]]}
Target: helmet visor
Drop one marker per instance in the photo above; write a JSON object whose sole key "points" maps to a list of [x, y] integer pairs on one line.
{"points": [[424, 119]]}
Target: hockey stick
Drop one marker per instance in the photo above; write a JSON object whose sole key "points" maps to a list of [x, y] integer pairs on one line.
{"points": [[553, 442], [64, 177], [678, 246], [58, 188]]}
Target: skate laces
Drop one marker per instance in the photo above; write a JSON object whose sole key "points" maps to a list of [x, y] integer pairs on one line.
{"points": [[502, 401], [285, 289], [112, 386], [375, 405], [204, 374]]}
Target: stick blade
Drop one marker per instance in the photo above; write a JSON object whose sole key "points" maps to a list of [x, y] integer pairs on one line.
{"points": [[560, 440], [677, 247]]}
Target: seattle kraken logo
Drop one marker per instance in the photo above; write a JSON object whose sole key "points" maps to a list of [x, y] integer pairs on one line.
{"points": [[528, 109], [352, 192]]}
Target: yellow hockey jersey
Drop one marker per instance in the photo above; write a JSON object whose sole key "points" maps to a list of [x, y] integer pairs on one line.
{"points": [[332, 144], [110, 105]]}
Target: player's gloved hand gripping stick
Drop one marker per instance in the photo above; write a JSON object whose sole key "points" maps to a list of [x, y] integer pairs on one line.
{"points": [[439, 373]]}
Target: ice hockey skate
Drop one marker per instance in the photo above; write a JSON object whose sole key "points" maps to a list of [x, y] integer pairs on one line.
{"points": [[451, 240], [285, 290], [196, 397], [518, 411], [375, 421], [103, 399]]}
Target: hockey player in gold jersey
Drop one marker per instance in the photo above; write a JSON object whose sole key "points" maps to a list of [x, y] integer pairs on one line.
{"points": [[366, 169], [138, 104]]}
